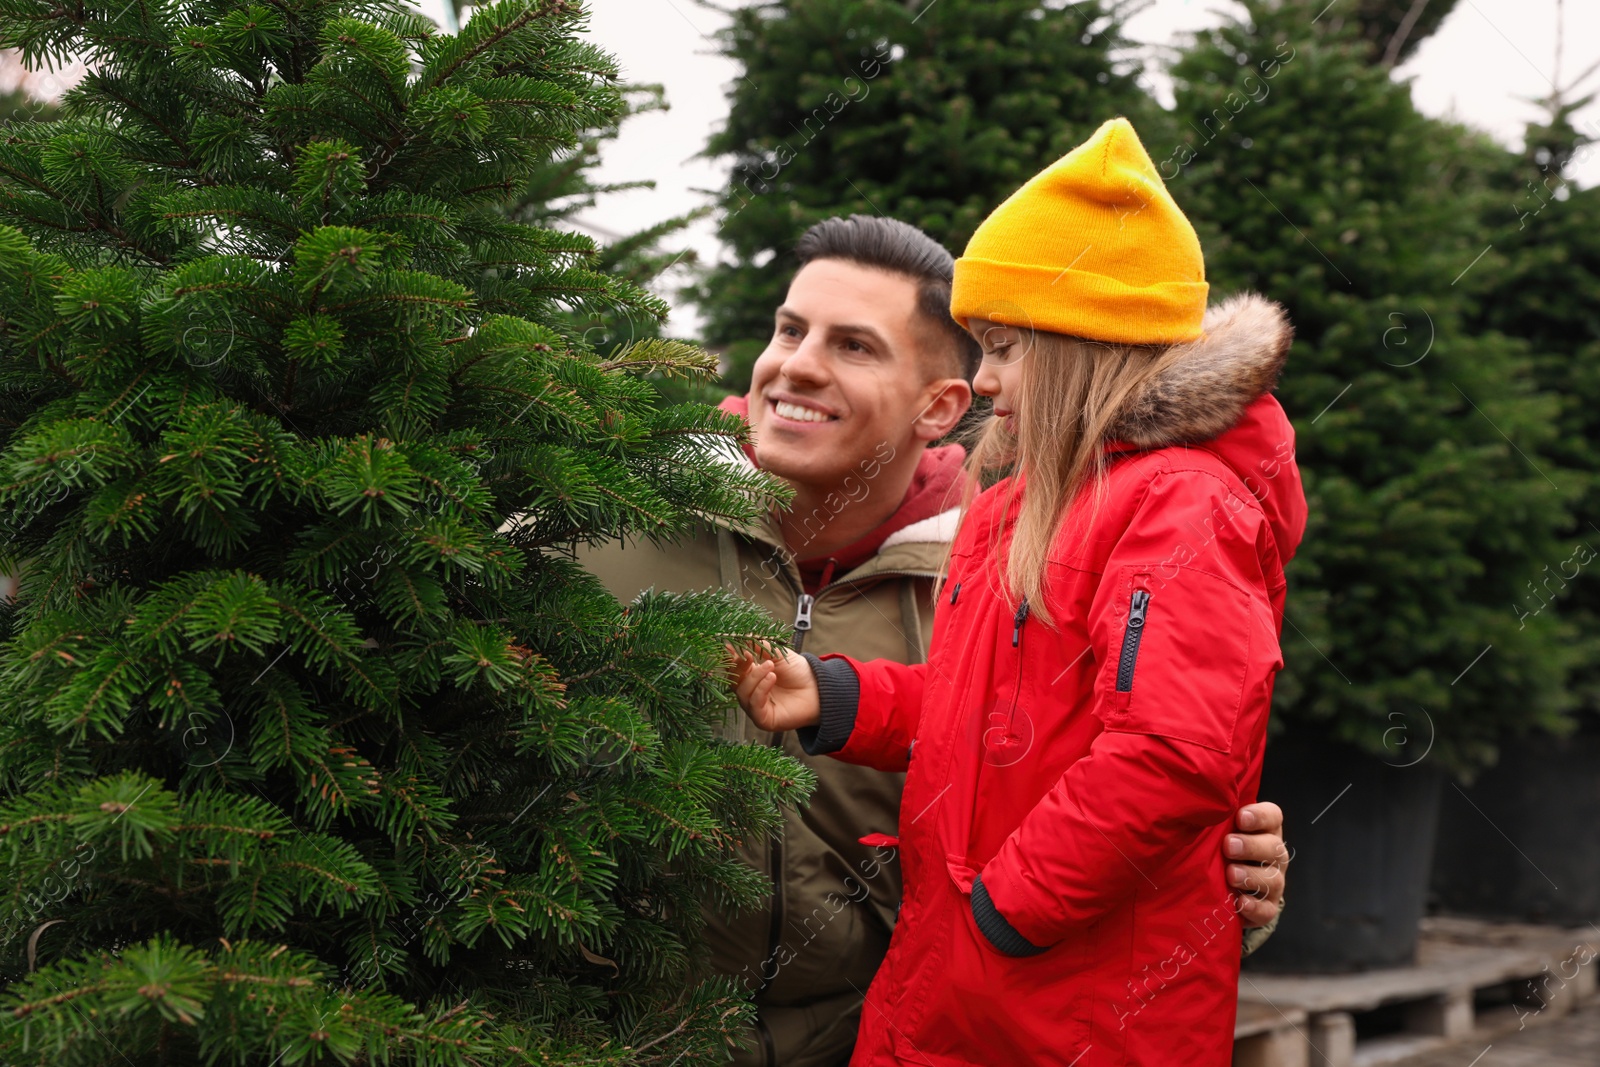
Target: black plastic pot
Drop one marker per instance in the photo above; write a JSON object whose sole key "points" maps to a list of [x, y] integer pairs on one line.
{"points": [[1362, 835], [1523, 842]]}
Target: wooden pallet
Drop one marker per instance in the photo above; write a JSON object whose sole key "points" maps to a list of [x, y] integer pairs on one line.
{"points": [[1265, 1036], [1471, 978]]}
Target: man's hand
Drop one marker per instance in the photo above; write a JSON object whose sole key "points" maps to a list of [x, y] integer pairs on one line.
{"points": [[1256, 862], [777, 693]]}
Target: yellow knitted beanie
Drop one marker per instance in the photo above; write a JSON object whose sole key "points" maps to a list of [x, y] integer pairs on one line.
{"points": [[1092, 246]]}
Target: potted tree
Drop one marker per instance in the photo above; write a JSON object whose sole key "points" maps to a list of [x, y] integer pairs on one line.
{"points": [[1519, 842]]}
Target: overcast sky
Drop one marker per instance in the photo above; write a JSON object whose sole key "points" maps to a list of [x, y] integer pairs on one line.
{"points": [[1482, 67]]}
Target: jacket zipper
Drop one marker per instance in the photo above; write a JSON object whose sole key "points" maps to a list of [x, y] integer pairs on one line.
{"points": [[1016, 690], [802, 625], [802, 621], [775, 927], [1138, 605]]}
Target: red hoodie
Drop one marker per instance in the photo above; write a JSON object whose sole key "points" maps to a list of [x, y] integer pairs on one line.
{"points": [[933, 489]]}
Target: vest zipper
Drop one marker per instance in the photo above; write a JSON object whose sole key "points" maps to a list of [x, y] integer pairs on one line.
{"points": [[1138, 605], [955, 593]]}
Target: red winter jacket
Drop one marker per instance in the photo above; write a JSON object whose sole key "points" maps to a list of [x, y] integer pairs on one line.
{"points": [[1088, 772]]}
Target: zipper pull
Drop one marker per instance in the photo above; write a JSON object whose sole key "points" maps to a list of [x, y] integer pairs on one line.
{"points": [[955, 593], [802, 620], [1017, 621], [1138, 604], [1137, 607]]}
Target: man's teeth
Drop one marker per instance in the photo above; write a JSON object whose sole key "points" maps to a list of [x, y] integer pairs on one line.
{"points": [[800, 414]]}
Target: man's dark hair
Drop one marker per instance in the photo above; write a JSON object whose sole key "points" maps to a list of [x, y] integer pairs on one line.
{"points": [[900, 248]]}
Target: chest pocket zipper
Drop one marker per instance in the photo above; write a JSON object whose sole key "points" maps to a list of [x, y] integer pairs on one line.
{"points": [[1138, 607]]}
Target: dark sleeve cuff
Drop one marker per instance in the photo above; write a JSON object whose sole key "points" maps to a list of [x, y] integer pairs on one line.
{"points": [[840, 693], [1001, 934]]}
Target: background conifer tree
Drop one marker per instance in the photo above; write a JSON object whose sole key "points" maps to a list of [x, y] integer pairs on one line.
{"points": [[311, 755], [1393, 28], [1435, 486], [18, 102], [1548, 291], [931, 113]]}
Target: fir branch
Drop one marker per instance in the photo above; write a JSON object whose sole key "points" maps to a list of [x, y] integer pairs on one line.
{"points": [[534, 11]]}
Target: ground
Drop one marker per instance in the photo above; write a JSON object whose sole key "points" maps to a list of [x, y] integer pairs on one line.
{"points": [[1571, 1041]]}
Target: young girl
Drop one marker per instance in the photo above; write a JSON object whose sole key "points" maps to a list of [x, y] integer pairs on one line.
{"points": [[1094, 705]]}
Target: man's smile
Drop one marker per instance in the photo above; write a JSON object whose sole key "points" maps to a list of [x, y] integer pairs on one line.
{"points": [[793, 410]]}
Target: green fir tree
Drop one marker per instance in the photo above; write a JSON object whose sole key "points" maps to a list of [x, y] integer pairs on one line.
{"points": [[1547, 231], [554, 194], [319, 748], [1432, 460], [931, 113]]}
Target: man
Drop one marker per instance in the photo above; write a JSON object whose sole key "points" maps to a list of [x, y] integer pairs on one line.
{"points": [[866, 370]]}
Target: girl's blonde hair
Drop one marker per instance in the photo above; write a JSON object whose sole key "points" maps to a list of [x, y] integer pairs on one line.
{"points": [[1072, 393]]}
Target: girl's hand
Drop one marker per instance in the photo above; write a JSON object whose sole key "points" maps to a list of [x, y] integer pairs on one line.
{"points": [[777, 693]]}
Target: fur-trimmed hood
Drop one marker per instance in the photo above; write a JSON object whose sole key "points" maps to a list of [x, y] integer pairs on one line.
{"points": [[1218, 397], [1237, 359]]}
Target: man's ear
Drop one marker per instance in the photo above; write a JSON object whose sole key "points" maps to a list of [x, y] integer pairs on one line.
{"points": [[944, 401]]}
